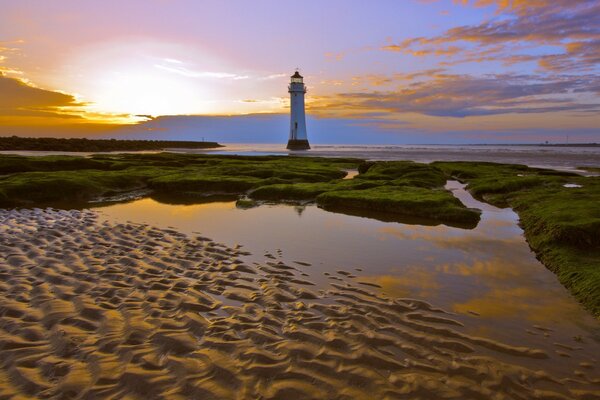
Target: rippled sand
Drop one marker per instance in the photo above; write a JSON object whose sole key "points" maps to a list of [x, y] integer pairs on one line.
{"points": [[94, 309]]}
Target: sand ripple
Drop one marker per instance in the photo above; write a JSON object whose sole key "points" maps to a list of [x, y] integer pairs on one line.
{"points": [[90, 309]]}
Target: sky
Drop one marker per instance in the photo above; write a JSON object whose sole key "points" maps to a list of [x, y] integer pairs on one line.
{"points": [[386, 72]]}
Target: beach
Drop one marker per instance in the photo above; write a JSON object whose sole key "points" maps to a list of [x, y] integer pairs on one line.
{"points": [[233, 277], [95, 309]]}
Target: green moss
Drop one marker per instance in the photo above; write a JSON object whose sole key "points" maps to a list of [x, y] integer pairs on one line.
{"points": [[45, 187], [306, 191], [190, 183], [404, 173], [12, 164], [178, 176]]}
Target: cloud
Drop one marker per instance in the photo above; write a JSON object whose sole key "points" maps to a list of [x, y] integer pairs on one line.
{"points": [[23, 106], [463, 96], [20, 98], [200, 74], [4, 49], [273, 76], [573, 25], [176, 67], [335, 56], [579, 55]]}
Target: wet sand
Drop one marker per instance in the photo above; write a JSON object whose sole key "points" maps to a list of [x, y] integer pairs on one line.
{"points": [[97, 309]]}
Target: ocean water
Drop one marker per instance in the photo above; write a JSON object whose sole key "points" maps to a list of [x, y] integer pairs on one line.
{"points": [[564, 158]]}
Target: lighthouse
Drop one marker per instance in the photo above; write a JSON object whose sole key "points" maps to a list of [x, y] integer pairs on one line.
{"points": [[298, 139]]}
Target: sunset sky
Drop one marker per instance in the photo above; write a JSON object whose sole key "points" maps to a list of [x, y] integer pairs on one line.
{"points": [[398, 71]]}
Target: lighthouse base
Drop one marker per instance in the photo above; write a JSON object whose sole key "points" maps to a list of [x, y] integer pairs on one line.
{"points": [[294, 144]]}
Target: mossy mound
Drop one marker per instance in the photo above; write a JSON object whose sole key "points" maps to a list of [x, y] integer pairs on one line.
{"points": [[306, 191], [46, 180], [402, 173]]}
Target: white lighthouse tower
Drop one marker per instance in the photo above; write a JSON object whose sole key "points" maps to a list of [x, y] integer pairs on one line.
{"points": [[298, 139]]}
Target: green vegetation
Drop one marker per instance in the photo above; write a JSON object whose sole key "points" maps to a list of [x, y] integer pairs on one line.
{"points": [[96, 145], [561, 224], [306, 191], [172, 177], [398, 188]]}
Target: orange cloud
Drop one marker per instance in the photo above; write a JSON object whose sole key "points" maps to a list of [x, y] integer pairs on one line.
{"points": [[32, 111], [20, 101]]}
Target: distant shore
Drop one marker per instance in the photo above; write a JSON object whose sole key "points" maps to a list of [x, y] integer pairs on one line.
{"points": [[15, 143], [536, 144]]}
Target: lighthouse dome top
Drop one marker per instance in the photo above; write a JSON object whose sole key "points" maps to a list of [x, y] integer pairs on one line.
{"points": [[296, 78]]}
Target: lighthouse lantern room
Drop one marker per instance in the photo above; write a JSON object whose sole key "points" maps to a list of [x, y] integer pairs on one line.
{"points": [[298, 139]]}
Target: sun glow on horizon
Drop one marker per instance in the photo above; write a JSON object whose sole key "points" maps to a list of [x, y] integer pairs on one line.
{"points": [[156, 78]]}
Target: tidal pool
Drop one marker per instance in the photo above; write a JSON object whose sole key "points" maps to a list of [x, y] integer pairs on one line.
{"points": [[487, 276]]}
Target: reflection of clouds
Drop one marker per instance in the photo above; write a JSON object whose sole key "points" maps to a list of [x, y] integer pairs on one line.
{"points": [[492, 271], [454, 268], [496, 270], [445, 237], [184, 217], [532, 303], [413, 281]]}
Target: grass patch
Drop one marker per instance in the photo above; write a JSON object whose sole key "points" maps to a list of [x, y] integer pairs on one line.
{"points": [[306, 191], [30, 188]]}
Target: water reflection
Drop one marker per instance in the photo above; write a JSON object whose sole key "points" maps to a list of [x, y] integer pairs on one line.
{"points": [[487, 275]]}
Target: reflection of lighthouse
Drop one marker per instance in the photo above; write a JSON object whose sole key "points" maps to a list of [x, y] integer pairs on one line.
{"points": [[298, 139]]}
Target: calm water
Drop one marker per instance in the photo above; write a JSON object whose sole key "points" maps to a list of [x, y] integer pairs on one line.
{"points": [[488, 276]]}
